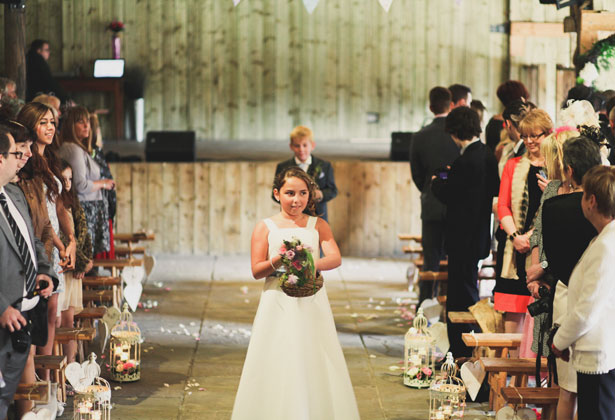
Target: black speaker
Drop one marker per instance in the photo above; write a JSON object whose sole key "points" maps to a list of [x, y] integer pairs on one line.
{"points": [[170, 146], [400, 146]]}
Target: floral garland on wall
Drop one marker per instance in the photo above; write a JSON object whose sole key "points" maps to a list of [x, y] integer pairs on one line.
{"points": [[598, 65]]}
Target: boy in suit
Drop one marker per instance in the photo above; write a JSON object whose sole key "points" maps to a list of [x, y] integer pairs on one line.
{"points": [[467, 190], [302, 144]]}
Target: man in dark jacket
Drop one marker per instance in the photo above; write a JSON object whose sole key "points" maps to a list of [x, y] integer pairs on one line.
{"points": [[467, 190], [38, 73], [302, 144], [432, 148]]}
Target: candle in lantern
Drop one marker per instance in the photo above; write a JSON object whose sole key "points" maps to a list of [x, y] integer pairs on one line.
{"points": [[439, 415], [96, 415], [447, 410], [422, 351], [123, 357]]}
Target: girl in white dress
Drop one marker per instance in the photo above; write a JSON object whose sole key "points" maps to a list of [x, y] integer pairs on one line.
{"points": [[294, 368]]}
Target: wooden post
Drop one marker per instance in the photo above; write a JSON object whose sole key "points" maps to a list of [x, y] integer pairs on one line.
{"points": [[15, 45]]}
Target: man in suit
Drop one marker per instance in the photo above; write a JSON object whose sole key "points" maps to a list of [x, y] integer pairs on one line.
{"points": [[432, 148], [461, 95], [467, 190], [302, 144], [25, 269]]}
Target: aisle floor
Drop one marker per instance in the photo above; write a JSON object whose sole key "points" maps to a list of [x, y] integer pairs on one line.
{"points": [[197, 331]]}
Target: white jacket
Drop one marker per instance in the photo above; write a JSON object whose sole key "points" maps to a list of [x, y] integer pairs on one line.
{"points": [[589, 325]]}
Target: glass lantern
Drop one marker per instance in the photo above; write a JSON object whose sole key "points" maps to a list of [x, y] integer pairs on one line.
{"points": [[447, 393], [419, 354], [94, 401], [125, 349]]}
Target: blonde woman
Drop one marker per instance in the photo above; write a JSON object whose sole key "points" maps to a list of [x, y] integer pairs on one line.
{"points": [[518, 204]]}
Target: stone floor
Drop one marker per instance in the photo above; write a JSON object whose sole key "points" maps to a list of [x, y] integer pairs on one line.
{"points": [[197, 331]]}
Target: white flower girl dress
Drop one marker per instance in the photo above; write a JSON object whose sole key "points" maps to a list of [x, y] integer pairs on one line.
{"points": [[294, 368]]}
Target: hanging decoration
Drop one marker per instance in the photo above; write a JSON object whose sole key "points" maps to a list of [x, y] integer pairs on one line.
{"points": [[236, 2], [597, 66], [310, 5], [386, 4]]}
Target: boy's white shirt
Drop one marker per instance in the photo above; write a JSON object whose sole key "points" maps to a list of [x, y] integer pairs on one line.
{"points": [[304, 165]]}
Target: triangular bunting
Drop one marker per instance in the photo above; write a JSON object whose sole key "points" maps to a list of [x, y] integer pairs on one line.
{"points": [[386, 4], [310, 5], [236, 2]]}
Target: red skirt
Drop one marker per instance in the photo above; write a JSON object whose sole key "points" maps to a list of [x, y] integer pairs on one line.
{"points": [[108, 255]]}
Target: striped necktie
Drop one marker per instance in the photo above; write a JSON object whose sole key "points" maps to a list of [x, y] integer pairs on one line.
{"points": [[24, 252]]}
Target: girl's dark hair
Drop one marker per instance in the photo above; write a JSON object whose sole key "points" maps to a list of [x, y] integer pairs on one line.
{"points": [[68, 197], [297, 172], [512, 90], [48, 165]]}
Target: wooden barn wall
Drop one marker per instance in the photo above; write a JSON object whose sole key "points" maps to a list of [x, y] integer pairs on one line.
{"points": [[255, 71], [212, 207]]}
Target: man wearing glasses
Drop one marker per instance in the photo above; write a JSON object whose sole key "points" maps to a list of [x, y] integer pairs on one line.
{"points": [[26, 274]]}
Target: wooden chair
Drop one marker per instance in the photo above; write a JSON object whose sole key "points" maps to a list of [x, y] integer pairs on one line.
{"points": [[129, 251], [498, 369], [411, 249], [546, 398], [500, 342], [37, 391], [56, 365], [64, 335], [462, 317]]}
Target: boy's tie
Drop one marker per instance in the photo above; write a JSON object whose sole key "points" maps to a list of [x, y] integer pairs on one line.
{"points": [[24, 252]]}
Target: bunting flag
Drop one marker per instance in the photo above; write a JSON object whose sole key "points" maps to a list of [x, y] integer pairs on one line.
{"points": [[310, 5], [386, 4], [236, 2]]}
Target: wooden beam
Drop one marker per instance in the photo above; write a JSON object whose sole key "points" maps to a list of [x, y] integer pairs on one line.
{"points": [[541, 29], [591, 23], [15, 46]]}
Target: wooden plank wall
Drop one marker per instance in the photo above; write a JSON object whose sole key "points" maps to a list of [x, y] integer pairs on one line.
{"points": [[255, 71], [212, 207]]}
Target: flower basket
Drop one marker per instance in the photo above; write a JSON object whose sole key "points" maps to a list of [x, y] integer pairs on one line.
{"points": [[298, 278], [309, 288]]}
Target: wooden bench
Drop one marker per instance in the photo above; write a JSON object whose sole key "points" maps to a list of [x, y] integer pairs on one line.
{"points": [[420, 262], [129, 251], [546, 398], [91, 313], [500, 342], [101, 281], [38, 391], [134, 237], [462, 317], [499, 368], [101, 296], [64, 335], [56, 364], [433, 275]]}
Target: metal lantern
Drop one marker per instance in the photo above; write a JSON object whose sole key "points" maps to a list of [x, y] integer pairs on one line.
{"points": [[125, 349], [419, 354], [94, 401], [447, 393]]}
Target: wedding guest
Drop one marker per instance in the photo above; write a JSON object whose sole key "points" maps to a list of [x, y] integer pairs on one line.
{"points": [[586, 326], [467, 191], [109, 196], [461, 95], [308, 355], [507, 92], [22, 272], [9, 100], [38, 73], [42, 177], [75, 139], [51, 101], [567, 158], [518, 202], [71, 302], [512, 145], [432, 148], [302, 143]]}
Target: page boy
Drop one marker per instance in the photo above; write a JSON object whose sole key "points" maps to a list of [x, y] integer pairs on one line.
{"points": [[302, 144]]}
